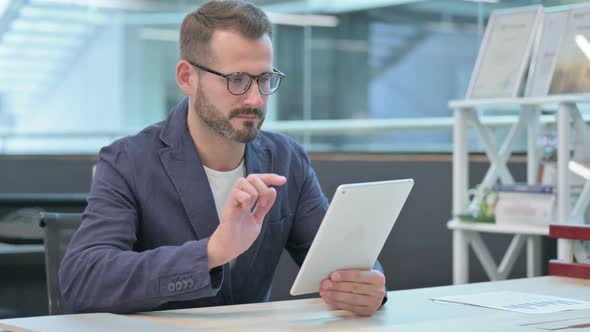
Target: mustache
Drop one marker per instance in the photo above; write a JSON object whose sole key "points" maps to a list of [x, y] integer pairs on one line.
{"points": [[246, 111]]}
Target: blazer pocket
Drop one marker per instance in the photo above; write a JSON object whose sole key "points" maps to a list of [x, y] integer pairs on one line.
{"points": [[271, 241], [276, 233]]}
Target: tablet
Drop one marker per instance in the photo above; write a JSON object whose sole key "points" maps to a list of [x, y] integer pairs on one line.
{"points": [[353, 231]]}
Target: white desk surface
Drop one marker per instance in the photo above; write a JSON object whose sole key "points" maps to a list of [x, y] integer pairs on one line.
{"points": [[409, 310]]}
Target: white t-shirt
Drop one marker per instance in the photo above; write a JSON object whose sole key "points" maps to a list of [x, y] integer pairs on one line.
{"points": [[221, 184]]}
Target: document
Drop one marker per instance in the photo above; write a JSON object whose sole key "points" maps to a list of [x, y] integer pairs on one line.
{"points": [[504, 53], [517, 301], [545, 57]]}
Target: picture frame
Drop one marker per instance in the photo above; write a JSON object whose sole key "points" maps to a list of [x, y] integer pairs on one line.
{"points": [[571, 75], [504, 53], [547, 44]]}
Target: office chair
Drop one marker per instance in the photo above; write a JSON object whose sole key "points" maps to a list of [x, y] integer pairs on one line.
{"points": [[58, 230]]}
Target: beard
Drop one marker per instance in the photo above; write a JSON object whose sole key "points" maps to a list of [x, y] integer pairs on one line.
{"points": [[214, 119]]}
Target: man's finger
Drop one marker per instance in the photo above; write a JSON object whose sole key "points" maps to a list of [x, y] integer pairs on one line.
{"points": [[243, 198], [355, 309], [362, 276], [243, 185], [271, 179], [350, 298], [259, 185], [352, 287], [264, 205]]}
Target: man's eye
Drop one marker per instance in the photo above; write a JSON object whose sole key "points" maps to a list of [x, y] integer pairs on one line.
{"points": [[237, 80]]}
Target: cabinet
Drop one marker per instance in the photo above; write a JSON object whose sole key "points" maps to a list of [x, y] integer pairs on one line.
{"points": [[467, 234]]}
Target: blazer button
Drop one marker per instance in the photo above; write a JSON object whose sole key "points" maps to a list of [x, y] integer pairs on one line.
{"points": [[171, 287], [178, 286]]}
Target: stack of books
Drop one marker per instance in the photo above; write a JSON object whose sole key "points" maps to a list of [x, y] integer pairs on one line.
{"points": [[525, 204]]}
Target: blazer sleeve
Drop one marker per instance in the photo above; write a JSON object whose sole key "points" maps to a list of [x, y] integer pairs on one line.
{"points": [[310, 208], [102, 272]]}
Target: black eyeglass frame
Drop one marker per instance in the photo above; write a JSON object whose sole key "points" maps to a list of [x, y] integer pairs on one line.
{"points": [[252, 77]]}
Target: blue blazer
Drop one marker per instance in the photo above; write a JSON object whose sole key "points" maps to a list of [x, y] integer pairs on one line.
{"points": [[142, 244]]}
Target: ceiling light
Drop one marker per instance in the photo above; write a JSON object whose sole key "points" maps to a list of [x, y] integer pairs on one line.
{"points": [[45, 40], [28, 51], [303, 20], [109, 4], [70, 15], [50, 27]]}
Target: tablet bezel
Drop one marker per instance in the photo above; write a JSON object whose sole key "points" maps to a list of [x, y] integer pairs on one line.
{"points": [[377, 202]]}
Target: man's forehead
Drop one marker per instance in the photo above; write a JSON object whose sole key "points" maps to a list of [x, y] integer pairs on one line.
{"points": [[231, 46]]}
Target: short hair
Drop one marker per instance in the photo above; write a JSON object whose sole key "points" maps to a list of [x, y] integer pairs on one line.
{"points": [[239, 16]]}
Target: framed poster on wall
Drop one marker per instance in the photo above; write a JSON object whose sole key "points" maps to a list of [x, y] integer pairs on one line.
{"points": [[572, 70], [504, 53], [544, 57]]}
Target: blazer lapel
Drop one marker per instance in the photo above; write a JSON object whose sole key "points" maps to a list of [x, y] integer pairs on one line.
{"points": [[257, 160], [185, 169]]}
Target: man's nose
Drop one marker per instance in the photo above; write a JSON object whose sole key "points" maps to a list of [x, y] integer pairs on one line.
{"points": [[254, 98]]}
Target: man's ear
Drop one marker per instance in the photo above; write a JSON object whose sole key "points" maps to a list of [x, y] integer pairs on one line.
{"points": [[185, 80]]}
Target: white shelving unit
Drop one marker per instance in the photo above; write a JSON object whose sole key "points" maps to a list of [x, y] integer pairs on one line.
{"points": [[467, 234]]}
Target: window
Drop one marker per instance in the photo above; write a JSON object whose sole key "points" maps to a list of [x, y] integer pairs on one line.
{"points": [[76, 74]]}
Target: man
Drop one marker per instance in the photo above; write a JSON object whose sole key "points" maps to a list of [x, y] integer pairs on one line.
{"points": [[196, 210]]}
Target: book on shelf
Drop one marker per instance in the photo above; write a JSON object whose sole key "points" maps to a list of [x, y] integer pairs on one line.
{"points": [[524, 188], [525, 204]]}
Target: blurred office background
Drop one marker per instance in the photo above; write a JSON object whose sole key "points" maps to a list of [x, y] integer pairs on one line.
{"points": [[77, 74]]}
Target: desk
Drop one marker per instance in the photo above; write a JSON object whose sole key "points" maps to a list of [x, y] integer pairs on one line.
{"points": [[409, 310]]}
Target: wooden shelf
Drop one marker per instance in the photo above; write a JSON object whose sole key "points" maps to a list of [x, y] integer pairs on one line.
{"points": [[567, 269], [571, 232], [507, 102], [467, 116], [494, 228]]}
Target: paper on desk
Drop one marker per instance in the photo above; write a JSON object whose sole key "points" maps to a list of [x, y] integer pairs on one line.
{"points": [[517, 301]]}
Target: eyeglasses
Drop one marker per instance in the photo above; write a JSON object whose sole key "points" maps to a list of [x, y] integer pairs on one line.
{"points": [[239, 83]]}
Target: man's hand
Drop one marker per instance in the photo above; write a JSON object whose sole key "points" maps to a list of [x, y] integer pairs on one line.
{"points": [[240, 225], [358, 291]]}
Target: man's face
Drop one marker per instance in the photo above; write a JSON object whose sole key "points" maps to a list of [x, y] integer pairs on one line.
{"points": [[237, 118], [246, 124]]}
